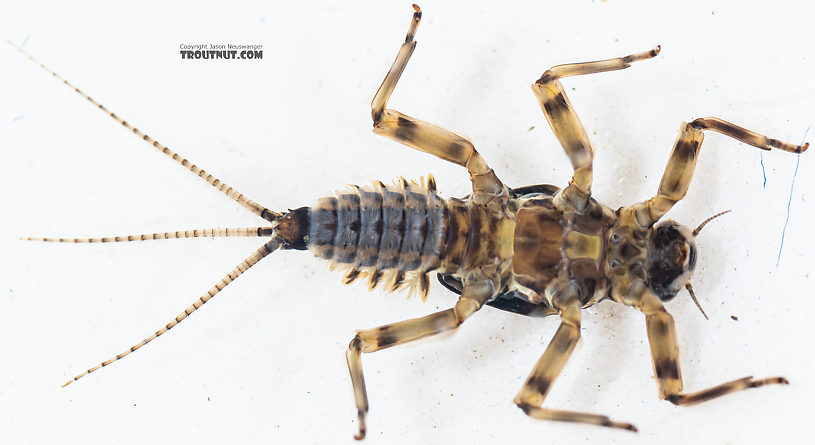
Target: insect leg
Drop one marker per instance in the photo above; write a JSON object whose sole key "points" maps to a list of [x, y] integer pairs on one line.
{"points": [[665, 358], [566, 125], [473, 296], [682, 163], [423, 136], [551, 363]]}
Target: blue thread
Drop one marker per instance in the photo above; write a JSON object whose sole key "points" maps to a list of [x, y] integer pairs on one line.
{"points": [[763, 172], [25, 41], [789, 203]]}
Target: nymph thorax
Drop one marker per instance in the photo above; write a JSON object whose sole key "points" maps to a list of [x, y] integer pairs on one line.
{"points": [[557, 249]]}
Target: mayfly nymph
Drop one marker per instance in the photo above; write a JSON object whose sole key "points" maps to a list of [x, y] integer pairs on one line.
{"points": [[537, 250]]}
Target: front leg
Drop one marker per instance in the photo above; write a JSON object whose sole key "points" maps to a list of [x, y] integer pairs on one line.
{"points": [[473, 297], [665, 358], [566, 125], [427, 137], [682, 163]]}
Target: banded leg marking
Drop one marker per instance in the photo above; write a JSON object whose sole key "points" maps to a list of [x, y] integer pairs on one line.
{"points": [[566, 124], [549, 366], [682, 163], [423, 136], [665, 358], [256, 208], [265, 250], [473, 297]]}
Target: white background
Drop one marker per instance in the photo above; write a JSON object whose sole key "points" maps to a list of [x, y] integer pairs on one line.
{"points": [[264, 361]]}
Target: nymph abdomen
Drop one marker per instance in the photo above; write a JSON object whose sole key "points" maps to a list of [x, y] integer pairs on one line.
{"points": [[380, 228], [406, 231]]}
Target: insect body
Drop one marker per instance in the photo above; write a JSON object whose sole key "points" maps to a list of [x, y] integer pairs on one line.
{"points": [[537, 250]]}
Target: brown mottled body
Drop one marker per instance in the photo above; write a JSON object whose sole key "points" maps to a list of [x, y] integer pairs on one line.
{"points": [[400, 233], [555, 251], [554, 246], [536, 250]]}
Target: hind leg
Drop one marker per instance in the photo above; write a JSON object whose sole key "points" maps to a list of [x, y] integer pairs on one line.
{"points": [[566, 125], [473, 296], [427, 137]]}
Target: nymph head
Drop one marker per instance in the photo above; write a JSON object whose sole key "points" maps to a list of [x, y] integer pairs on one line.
{"points": [[672, 257]]}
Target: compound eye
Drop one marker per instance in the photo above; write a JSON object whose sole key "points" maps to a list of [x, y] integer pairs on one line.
{"points": [[691, 256], [666, 297]]}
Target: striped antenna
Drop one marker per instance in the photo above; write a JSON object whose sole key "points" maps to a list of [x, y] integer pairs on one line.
{"points": [[699, 229], [207, 233], [256, 208], [267, 248]]}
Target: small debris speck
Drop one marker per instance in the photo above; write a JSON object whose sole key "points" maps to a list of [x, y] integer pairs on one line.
{"points": [[734, 318], [531, 128]]}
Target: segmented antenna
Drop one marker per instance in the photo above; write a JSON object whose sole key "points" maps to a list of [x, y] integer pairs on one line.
{"points": [[211, 233], [267, 248], [256, 208], [699, 229], [693, 296]]}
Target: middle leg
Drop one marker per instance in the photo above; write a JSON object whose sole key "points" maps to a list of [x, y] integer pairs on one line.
{"points": [[537, 385], [566, 125]]}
